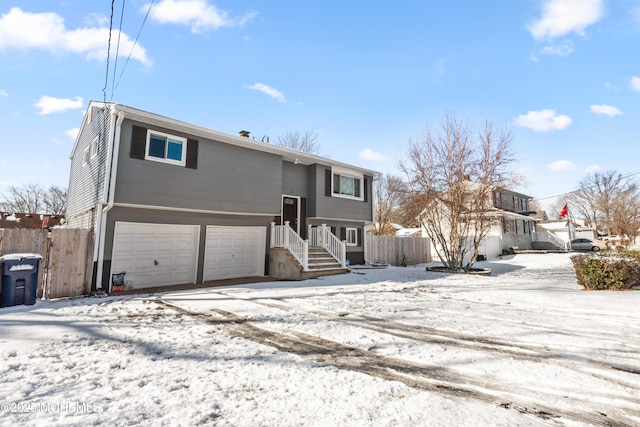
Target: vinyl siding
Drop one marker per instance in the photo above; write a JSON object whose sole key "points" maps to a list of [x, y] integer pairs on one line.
{"points": [[86, 181], [323, 206], [227, 178]]}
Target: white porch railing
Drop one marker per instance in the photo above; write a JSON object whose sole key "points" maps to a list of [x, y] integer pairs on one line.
{"points": [[322, 237], [545, 236], [283, 236]]}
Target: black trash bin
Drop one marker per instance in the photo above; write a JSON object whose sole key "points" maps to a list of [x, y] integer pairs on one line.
{"points": [[19, 279]]}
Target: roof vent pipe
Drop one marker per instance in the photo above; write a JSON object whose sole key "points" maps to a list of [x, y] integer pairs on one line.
{"points": [[244, 133]]}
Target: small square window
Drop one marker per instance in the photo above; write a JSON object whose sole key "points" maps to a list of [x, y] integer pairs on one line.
{"points": [[352, 237], [166, 148]]}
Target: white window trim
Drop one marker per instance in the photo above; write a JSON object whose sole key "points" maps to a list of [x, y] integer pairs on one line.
{"points": [[183, 162], [86, 155], [95, 146], [350, 174], [355, 235]]}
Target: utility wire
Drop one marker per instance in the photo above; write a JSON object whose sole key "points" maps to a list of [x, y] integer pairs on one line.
{"points": [[106, 78], [580, 189], [115, 65], [135, 42]]}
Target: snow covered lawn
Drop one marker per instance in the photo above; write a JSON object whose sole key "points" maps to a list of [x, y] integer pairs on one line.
{"points": [[376, 347]]}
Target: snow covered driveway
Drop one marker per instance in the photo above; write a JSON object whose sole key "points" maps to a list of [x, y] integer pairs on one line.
{"points": [[397, 346]]}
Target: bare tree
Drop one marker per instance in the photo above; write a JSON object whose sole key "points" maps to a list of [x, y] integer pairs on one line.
{"points": [[598, 197], [55, 200], [388, 192], [457, 172], [306, 141], [26, 199], [410, 207], [626, 216], [33, 198]]}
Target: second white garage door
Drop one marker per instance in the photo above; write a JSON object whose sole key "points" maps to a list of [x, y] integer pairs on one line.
{"points": [[234, 252]]}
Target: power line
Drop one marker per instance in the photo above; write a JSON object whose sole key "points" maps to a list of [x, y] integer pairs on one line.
{"points": [[115, 65], [580, 189], [135, 42], [106, 78]]}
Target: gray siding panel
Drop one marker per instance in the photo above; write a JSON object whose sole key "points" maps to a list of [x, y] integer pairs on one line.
{"points": [[86, 181], [338, 207], [227, 179], [295, 179]]}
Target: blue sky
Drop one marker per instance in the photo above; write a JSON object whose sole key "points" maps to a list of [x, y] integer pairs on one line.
{"points": [[366, 76]]}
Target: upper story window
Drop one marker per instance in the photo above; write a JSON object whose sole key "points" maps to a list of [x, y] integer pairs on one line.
{"points": [[166, 148], [347, 184]]}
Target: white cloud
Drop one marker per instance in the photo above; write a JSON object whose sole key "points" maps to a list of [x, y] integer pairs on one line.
{"points": [[562, 166], [370, 155], [635, 83], [48, 105], [607, 110], [3, 92], [543, 120], [274, 93], [72, 133], [562, 17], [563, 49], [592, 168], [197, 14], [46, 31]]}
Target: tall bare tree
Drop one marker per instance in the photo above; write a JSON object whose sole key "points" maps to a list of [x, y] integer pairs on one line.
{"points": [[457, 171], [33, 198], [306, 141], [55, 200], [388, 192], [599, 196]]}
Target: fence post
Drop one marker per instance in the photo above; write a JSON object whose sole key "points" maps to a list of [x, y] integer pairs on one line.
{"points": [[272, 234]]}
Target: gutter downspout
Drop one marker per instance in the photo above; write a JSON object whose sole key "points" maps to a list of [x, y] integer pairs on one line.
{"points": [[108, 198]]}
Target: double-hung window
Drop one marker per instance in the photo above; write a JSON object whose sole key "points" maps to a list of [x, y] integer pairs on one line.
{"points": [[347, 184], [166, 148], [352, 236]]}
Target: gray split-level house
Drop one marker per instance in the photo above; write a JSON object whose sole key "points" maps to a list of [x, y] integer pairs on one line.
{"points": [[173, 203]]}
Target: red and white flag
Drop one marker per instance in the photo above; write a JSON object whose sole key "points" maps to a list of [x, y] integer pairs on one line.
{"points": [[563, 212]]}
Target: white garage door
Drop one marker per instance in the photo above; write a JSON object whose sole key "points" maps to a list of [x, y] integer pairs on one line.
{"points": [[155, 254], [234, 252]]}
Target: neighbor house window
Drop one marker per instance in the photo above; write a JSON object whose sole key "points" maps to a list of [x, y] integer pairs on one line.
{"points": [[166, 148], [347, 184], [352, 237], [86, 156]]}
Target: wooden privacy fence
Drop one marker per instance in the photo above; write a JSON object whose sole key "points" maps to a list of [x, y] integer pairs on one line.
{"points": [[392, 250], [66, 258]]}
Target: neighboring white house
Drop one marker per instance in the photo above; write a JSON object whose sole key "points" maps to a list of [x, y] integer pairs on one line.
{"points": [[511, 228]]}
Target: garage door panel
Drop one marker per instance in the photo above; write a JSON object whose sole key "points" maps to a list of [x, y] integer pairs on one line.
{"points": [[234, 252], [155, 254]]}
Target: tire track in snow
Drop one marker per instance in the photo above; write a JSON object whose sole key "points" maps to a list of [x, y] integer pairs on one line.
{"points": [[430, 378]]}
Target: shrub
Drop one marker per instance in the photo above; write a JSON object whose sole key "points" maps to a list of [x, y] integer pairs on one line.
{"points": [[608, 271]]}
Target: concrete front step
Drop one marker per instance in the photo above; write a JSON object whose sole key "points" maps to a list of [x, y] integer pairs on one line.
{"points": [[284, 266]]}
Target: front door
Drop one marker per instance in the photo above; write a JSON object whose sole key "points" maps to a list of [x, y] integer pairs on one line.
{"points": [[291, 212]]}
